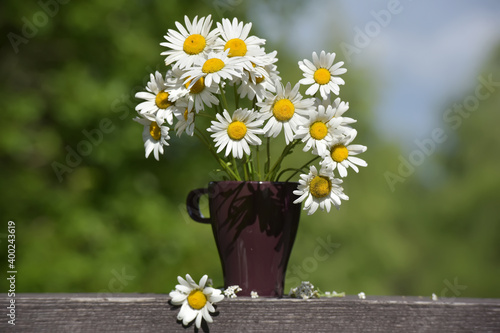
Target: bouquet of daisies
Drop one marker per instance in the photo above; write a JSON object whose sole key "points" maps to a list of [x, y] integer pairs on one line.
{"points": [[209, 67]]}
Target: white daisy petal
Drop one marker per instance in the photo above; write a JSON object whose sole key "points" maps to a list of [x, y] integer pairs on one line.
{"points": [[191, 282], [358, 161], [357, 148], [178, 299], [214, 298], [342, 169], [206, 315], [183, 289], [203, 280], [353, 166], [189, 316], [312, 209], [183, 282], [210, 307], [199, 317]]}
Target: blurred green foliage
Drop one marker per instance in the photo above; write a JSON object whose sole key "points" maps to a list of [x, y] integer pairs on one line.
{"points": [[115, 213]]}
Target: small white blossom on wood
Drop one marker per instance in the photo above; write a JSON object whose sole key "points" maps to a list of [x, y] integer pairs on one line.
{"points": [[231, 291]]}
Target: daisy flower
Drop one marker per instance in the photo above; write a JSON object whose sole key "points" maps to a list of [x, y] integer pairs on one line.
{"points": [[215, 67], [196, 300], [158, 100], [197, 94], [237, 132], [261, 68], [258, 80], [340, 108], [321, 74], [177, 87], [319, 190], [285, 110], [190, 44], [234, 36], [154, 135], [185, 118], [319, 130], [340, 154]]}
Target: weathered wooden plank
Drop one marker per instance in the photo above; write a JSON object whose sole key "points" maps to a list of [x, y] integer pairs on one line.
{"points": [[153, 313]]}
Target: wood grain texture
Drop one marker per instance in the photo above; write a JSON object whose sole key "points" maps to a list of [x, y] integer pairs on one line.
{"points": [[153, 313]]}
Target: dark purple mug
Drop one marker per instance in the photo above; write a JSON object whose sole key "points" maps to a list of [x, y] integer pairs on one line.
{"points": [[254, 225]]}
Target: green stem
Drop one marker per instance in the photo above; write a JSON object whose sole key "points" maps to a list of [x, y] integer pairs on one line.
{"points": [[302, 167], [236, 97], [257, 150], [277, 164], [268, 161], [245, 169], [257, 153], [216, 108], [223, 97], [287, 170], [254, 104], [248, 168], [222, 163], [206, 115], [235, 167]]}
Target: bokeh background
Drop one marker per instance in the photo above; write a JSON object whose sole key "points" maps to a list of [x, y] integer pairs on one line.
{"points": [[422, 218]]}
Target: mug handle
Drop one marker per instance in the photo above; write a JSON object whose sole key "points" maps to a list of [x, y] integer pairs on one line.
{"points": [[193, 205]]}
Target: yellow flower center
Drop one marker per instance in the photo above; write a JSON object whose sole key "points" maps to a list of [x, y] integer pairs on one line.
{"points": [[322, 76], [197, 87], [186, 113], [318, 130], [259, 79], [320, 186], [237, 47], [212, 65], [194, 44], [283, 109], [162, 101], [155, 130], [237, 130], [339, 153], [197, 299]]}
